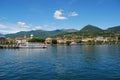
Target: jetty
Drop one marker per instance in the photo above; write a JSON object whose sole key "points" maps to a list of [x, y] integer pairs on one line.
{"points": [[13, 46]]}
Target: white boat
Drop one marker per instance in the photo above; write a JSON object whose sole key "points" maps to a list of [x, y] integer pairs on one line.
{"points": [[32, 45]]}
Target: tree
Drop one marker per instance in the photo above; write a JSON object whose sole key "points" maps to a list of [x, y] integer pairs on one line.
{"points": [[54, 41], [42, 40], [68, 42]]}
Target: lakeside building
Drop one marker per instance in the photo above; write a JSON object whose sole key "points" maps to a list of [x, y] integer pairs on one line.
{"points": [[87, 39], [60, 40], [22, 40], [48, 40], [9, 40], [113, 39], [72, 40], [99, 38]]}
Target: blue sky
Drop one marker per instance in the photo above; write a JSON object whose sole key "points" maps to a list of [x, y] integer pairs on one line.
{"points": [[25, 15]]}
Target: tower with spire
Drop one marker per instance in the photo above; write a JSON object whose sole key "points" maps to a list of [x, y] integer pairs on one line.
{"points": [[31, 36], [25, 36]]}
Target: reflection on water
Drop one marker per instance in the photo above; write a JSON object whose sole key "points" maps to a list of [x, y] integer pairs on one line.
{"points": [[85, 62]]}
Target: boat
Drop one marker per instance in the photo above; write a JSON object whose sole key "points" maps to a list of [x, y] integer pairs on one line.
{"points": [[32, 45]]}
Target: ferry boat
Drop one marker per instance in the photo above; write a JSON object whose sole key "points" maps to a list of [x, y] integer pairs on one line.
{"points": [[32, 45]]}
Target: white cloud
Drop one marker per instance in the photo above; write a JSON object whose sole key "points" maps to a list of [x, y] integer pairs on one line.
{"points": [[2, 26], [9, 31], [45, 25], [12, 28], [59, 15], [37, 27], [52, 28], [23, 24], [73, 14]]}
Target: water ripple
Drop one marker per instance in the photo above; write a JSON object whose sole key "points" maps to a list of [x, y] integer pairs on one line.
{"points": [[86, 62]]}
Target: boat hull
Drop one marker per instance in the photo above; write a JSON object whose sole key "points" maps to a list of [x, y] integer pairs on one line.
{"points": [[32, 45]]}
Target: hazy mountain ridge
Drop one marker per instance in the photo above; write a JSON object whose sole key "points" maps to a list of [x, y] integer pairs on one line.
{"points": [[114, 29], [94, 31], [39, 33], [1, 34], [88, 30]]}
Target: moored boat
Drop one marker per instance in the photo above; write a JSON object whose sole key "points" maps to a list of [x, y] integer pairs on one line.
{"points": [[32, 45]]}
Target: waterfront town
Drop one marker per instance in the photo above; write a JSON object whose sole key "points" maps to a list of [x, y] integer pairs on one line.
{"points": [[58, 40]]}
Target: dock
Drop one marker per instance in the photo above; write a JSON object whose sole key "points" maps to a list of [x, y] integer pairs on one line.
{"points": [[9, 46]]}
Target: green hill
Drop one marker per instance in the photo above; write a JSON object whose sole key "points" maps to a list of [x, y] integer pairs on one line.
{"points": [[90, 30], [114, 29], [38, 33], [87, 31], [93, 31]]}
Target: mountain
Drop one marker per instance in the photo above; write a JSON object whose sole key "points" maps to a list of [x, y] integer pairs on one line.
{"points": [[70, 30], [114, 29], [27, 34], [87, 31], [1, 34], [93, 31], [39, 33], [90, 29]]}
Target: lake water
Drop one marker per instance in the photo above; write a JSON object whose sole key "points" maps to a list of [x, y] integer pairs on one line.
{"points": [[85, 62]]}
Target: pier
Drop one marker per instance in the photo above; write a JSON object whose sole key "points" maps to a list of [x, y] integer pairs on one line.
{"points": [[9, 46]]}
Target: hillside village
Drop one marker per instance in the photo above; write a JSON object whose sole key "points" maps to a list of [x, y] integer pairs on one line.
{"points": [[88, 35], [60, 40]]}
